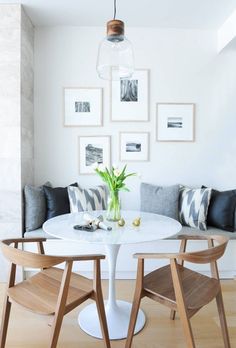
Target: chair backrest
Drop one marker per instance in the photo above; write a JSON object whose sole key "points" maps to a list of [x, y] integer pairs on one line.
{"points": [[26, 258], [207, 255]]}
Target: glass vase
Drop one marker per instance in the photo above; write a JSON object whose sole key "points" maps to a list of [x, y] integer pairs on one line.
{"points": [[113, 208]]}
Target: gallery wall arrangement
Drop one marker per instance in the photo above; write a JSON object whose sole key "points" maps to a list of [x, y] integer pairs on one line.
{"points": [[129, 102]]}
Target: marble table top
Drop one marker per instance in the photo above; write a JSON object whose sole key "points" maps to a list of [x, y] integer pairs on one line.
{"points": [[152, 227]]}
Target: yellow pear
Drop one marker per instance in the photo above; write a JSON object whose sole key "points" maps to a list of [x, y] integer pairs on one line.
{"points": [[121, 222], [137, 221]]}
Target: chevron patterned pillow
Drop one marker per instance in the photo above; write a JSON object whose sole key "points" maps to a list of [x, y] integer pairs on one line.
{"points": [[87, 199], [193, 205]]}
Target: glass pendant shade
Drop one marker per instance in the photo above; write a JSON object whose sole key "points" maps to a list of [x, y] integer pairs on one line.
{"points": [[115, 55]]}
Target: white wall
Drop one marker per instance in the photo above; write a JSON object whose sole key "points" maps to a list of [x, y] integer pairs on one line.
{"points": [[184, 67]]}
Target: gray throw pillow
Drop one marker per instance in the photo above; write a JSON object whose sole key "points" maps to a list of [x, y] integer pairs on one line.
{"points": [[193, 207], [87, 199], [35, 207], [160, 200], [235, 220]]}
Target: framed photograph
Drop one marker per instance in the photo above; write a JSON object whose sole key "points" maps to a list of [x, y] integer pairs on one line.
{"points": [[175, 121], [93, 150], [82, 106], [130, 98], [134, 146]]}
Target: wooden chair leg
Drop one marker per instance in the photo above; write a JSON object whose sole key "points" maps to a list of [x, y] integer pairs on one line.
{"points": [[223, 323], [99, 302], [136, 303], [182, 249], [60, 307], [187, 328], [133, 319], [181, 305], [7, 305], [172, 314], [102, 319], [5, 321], [56, 327]]}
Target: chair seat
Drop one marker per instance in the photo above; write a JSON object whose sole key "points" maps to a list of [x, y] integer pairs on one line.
{"points": [[40, 292], [198, 289]]}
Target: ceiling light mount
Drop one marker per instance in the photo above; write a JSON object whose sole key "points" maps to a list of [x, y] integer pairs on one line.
{"points": [[115, 30]]}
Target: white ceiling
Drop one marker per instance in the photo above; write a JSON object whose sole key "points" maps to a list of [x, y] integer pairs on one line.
{"points": [[201, 14]]}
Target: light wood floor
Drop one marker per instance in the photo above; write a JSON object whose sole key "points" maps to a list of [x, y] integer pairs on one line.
{"points": [[27, 330]]}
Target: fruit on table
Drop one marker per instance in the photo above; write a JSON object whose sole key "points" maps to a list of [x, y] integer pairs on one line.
{"points": [[137, 221], [121, 222]]}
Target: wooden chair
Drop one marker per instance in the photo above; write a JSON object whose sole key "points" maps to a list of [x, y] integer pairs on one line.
{"points": [[52, 291], [180, 288]]}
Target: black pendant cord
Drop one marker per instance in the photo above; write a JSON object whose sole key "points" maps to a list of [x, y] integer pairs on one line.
{"points": [[114, 9]]}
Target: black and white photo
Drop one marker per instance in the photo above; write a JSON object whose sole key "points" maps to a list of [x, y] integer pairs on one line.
{"points": [[175, 122], [93, 150], [82, 106], [128, 90], [93, 154], [134, 146], [130, 98]]}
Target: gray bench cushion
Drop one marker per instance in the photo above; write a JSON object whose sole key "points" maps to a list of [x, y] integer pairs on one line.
{"points": [[39, 233], [210, 231]]}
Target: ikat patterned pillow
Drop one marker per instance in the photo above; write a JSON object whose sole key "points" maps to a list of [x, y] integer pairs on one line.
{"points": [[87, 199], [193, 206]]}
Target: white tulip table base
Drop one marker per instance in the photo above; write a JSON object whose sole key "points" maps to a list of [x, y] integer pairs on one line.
{"points": [[118, 317]]}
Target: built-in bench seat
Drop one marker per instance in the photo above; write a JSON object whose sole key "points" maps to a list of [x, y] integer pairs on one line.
{"points": [[185, 230], [127, 270], [152, 198]]}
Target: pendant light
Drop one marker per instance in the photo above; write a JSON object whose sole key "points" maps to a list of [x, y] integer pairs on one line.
{"points": [[115, 54]]}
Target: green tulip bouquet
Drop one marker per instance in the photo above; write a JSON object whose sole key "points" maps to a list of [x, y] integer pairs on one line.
{"points": [[115, 180]]}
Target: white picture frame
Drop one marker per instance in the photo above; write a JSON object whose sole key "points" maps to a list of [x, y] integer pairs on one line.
{"points": [[93, 149], [130, 98], [134, 146], [175, 122], [82, 106]]}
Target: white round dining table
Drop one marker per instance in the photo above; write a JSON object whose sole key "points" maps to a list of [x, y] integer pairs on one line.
{"points": [[152, 227]]}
